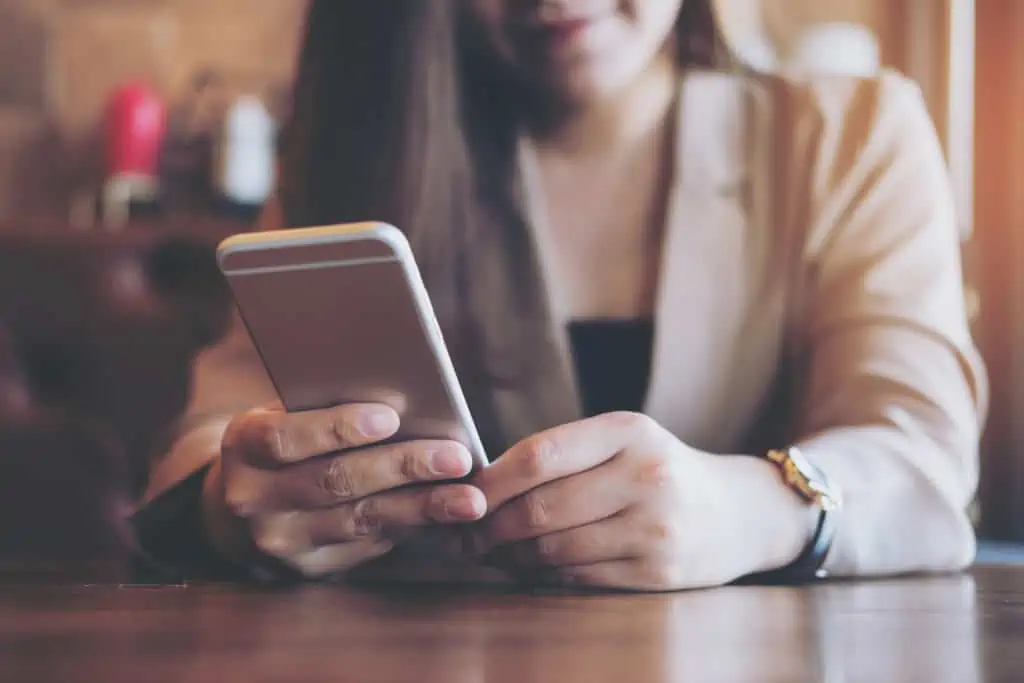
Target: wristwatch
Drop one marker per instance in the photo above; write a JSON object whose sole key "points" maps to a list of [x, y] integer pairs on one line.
{"points": [[814, 487]]}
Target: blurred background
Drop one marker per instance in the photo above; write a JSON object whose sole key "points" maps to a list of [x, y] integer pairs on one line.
{"points": [[136, 133], [63, 64]]}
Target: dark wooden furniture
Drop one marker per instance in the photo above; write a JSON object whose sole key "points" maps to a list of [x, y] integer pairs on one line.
{"points": [[97, 335], [957, 629], [102, 327]]}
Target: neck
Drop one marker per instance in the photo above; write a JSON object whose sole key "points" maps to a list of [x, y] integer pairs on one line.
{"points": [[627, 116]]}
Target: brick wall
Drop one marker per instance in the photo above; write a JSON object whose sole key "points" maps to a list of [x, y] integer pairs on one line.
{"points": [[60, 59]]}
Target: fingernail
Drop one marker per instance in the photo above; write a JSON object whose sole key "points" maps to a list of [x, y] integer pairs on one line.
{"points": [[449, 463], [378, 424], [459, 508]]}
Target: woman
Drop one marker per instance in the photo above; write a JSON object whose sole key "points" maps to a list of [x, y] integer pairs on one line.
{"points": [[651, 272]]}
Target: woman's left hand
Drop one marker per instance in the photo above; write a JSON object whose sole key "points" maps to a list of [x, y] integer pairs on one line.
{"points": [[617, 501]]}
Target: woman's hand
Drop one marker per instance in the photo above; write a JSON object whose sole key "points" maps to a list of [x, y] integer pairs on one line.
{"points": [[313, 491], [618, 502]]}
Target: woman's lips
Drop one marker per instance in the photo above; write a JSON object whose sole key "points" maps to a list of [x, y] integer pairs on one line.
{"points": [[563, 33]]}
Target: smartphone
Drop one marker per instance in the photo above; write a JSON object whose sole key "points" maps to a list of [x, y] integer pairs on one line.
{"points": [[339, 315]]}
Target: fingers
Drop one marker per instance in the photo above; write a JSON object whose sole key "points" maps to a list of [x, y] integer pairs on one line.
{"points": [[396, 511], [272, 438], [626, 552], [313, 491], [296, 534], [348, 477], [595, 495], [562, 452], [613, 539]]}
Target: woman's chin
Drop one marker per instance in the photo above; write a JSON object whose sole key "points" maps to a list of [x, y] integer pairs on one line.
{"points": [[582, 86]]}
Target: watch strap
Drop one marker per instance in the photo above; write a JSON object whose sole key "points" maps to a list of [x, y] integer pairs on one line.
{"points": [[809, 564]]}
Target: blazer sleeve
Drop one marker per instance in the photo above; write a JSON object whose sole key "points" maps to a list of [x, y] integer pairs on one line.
{"points": [[171, 543], [227, 379], [895, 392]]}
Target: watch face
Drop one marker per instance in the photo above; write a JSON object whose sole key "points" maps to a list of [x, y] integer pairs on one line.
{"points": [[826, 495], [803, 464]]}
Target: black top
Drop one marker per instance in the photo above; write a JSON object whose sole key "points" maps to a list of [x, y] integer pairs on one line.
{"points": [[612, 361]]}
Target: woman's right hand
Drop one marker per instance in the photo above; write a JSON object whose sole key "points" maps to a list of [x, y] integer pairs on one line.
{"points": [[313, 490]]}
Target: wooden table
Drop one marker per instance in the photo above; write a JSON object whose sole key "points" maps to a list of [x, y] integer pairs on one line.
{"points": [[960, 629]]}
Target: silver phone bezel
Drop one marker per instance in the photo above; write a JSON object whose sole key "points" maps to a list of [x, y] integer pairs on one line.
{"points": [[401, 252]]}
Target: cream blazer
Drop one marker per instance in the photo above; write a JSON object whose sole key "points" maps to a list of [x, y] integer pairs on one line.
{"points": [[810, 293]]}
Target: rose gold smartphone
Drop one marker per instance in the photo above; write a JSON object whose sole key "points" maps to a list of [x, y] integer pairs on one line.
{"points": [[340, 315]]}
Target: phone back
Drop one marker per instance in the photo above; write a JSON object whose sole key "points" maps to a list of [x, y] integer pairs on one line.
{"points": [[340, 315]]}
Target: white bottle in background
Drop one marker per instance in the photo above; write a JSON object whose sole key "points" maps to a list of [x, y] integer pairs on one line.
{"points": [[246, 170]]}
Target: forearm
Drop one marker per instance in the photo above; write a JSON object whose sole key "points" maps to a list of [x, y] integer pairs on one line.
{"points": [[174, 534], [199, 448], [903, 511], [227, 380], [895, 519], [895, 422], [770, 524], [194, 449]]}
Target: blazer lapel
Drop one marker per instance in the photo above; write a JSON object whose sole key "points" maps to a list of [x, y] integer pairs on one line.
{"points": [[530, 379], [713, 289]]}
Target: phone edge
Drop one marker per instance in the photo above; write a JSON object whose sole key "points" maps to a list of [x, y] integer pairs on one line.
{"points": [[403, 254]]}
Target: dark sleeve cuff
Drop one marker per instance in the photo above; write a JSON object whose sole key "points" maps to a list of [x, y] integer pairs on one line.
{"points": [[172, 545]]}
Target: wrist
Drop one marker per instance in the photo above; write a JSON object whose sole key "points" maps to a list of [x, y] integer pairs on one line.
{"points": [[173, 533], [225, 532], [774, 524], [227, 535]]}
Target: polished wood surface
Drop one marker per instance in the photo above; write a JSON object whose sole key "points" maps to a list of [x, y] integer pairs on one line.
{"points": [[961, 629]]}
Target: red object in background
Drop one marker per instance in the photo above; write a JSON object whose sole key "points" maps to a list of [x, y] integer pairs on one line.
{"points": [[135, 128]]}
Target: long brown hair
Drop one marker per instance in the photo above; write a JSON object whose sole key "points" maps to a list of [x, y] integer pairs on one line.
{"points": [[399, 117]]}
